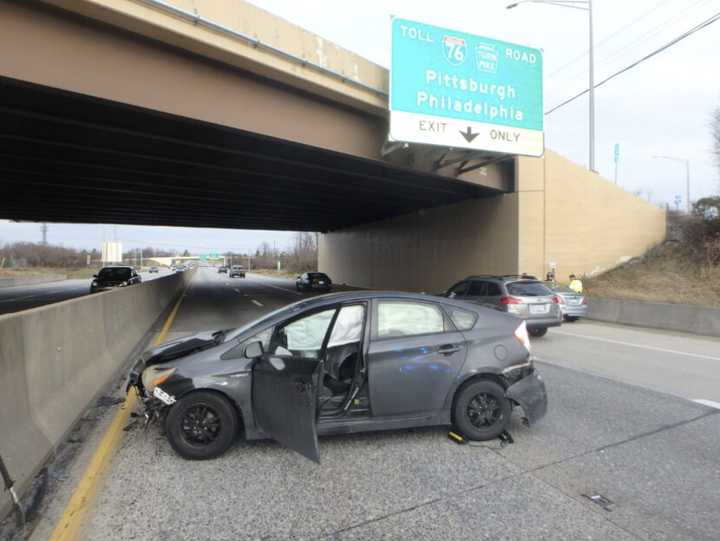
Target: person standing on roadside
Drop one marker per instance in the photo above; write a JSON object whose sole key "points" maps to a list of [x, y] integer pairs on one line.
{"points": [[575, 284]]}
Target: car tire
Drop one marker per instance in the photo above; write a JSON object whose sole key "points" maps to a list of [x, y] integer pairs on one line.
{"points": [[481, 411], [537, 333], [201, 425], [571, 318]]}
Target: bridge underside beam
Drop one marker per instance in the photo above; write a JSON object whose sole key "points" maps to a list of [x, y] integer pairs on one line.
{"points": [[72, 158]]}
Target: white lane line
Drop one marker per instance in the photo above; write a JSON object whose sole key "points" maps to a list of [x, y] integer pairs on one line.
{"points": [[641, 346], [257, 303], [236, 290], [710, 403]]}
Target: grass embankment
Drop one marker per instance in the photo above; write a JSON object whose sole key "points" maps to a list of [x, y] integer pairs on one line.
{"points": [[83, 272], [275, 273], [667, 273]]}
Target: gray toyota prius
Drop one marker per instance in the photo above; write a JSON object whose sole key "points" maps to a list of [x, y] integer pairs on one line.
{"points": [[342, 363]]}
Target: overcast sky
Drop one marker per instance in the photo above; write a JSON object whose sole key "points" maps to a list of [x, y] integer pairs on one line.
{"points": [[661, 107]]}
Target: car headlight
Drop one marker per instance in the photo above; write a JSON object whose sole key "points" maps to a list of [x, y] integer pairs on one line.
{"points": [[94, 283], [154, 376]]}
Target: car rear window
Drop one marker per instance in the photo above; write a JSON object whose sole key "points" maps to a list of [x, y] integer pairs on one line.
{"points": [[317, 276], [114, 274], [528, 289]]}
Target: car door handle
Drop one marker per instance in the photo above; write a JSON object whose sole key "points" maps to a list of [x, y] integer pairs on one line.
{"points": [[449, 349]]}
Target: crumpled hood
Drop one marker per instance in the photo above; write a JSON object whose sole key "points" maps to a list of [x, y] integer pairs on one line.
{"points": [[181, 347]]}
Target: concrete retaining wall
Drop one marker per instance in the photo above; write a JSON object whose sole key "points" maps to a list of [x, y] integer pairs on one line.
{"points": [[673, 317], [55, 359], [31, 280]]}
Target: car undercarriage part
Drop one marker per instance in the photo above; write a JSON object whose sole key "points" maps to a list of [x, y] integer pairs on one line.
{"points": [[10, 487]]}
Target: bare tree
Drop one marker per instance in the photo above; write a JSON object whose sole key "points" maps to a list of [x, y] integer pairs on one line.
{"points": [[716, 135]]}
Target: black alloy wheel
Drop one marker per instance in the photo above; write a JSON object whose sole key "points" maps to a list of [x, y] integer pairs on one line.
{"points": [[537, 333], [201, 425], [481, 411]]}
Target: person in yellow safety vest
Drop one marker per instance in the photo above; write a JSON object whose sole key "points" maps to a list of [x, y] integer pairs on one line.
{"points": [[575, 284]]}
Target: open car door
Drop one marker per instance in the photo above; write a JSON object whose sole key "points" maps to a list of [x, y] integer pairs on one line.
{"points": [[284, 397]]}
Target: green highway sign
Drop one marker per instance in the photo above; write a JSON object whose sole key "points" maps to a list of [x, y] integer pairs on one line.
{"points": [[460, 90]]}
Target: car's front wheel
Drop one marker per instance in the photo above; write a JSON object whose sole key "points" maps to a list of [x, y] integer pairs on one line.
{"points": [[481, 410], [537, 333], [201, 425]]}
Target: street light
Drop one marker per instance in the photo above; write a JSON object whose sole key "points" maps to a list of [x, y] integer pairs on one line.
{"points": [[585, 5], [687, 176]]}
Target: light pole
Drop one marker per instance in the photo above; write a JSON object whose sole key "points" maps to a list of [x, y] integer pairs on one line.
{"points": [[687, 177], [585, 5]]}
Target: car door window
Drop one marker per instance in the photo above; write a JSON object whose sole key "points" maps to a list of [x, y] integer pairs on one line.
{"points": [[477, 289], [397, 318], [458, 289], [348, 326], [302, 337], [493, 290]]}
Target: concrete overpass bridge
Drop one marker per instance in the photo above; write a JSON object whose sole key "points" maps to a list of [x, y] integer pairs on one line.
{"points": [[209, 114]]}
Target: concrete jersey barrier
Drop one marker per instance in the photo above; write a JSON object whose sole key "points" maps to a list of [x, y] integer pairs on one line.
{"points": [[673, 317], [55, 359]]}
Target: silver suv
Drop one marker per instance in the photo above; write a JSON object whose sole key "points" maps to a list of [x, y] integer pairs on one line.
{"points": [[522, 296]]}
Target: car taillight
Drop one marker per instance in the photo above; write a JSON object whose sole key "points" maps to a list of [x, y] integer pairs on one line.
{"points": [[557, 299], [510, 300], [521, 335]]}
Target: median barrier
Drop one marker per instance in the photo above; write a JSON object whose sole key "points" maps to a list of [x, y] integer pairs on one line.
{"points": [[55, 360], [673, 317]]}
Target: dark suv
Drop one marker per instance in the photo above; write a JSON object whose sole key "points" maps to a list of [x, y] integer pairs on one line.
{"points": [[110, 277], [524, 297]]}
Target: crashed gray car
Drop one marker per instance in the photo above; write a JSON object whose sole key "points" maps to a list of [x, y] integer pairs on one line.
{"points": [[342, 363]]}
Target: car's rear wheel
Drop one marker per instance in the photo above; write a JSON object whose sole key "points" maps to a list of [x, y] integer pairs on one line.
{"points": [[481, 410], [202, 425], [571, 318], [537, 333]]}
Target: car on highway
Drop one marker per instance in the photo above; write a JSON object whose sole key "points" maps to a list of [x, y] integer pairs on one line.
{"points": [[341, 363], [222, 269], [153, 270], [180, 268], [237, 271], [573, 305], [313, 281], [520, 295], [114, 276]]}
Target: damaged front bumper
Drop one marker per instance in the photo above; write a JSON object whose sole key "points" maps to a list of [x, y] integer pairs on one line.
{"points": [[530, 394]]}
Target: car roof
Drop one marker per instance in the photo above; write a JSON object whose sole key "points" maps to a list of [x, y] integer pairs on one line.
{"points": [[349, 296], [117, 267], [502, 277]]}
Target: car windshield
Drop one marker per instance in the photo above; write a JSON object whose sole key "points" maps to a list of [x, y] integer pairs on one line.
{"points": [[120, 273], [528, 289]]}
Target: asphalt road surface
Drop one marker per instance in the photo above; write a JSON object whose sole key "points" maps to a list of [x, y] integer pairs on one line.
{"points": [[16, 298], [620, 455]]}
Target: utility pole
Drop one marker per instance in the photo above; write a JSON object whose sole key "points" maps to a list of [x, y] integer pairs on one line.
{"points": [[584, 5], [44, 229]]}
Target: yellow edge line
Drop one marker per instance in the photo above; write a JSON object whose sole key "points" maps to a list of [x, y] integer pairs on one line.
{"points": [[71, 519]]}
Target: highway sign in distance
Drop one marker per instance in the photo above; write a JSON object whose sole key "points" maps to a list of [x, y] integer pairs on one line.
{"points": [[460, 90]]}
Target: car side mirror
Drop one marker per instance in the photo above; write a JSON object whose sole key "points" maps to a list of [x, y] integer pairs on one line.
{"points": [[254, 350], [94, 275]]}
